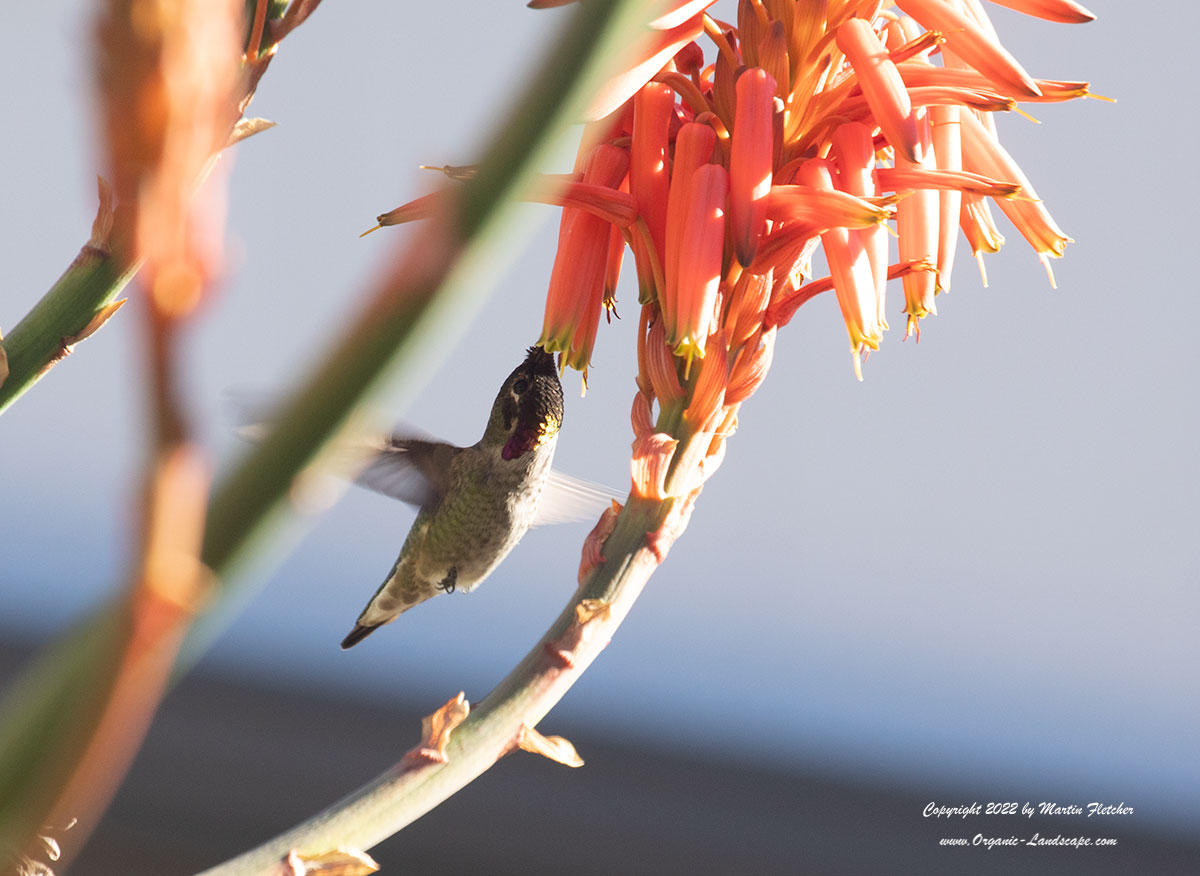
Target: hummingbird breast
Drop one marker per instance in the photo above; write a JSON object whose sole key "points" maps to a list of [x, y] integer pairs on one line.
{"points": [[488, 507]]}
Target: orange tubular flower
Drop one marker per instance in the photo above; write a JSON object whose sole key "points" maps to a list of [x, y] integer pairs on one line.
{"points": [[923, 75], [947, 151], [900, 179], [881, 85], [1063, 11], [982, 153], [609, 204], [823, 207], [693, 149], [980, 229], [700, 261], [917, 223], [648, 177], [971, 43], [418, 208], [853, 282], [581, 266], [854, 153], [918, 217], [750, 160], [982, 100], [576, 281]]}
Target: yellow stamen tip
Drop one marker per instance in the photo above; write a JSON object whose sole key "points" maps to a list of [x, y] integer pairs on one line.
{"points": [[369, 230]]}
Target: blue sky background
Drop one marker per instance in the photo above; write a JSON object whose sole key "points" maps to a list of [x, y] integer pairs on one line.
{"points": [[978, 565]]}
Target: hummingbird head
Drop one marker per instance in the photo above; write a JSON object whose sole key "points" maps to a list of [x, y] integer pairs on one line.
{"points": [[529, 407]]}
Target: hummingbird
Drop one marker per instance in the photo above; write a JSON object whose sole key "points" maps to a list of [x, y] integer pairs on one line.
{"points": [[475, 503]]}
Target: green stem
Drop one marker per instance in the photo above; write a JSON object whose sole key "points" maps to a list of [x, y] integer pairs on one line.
{"points": [[94, 279]]}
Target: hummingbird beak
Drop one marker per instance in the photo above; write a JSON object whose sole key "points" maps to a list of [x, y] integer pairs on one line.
{"points": [[538, 361]]}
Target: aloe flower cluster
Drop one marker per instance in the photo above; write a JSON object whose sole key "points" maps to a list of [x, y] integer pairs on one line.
{"points": [[816, 124], [805, 125]]}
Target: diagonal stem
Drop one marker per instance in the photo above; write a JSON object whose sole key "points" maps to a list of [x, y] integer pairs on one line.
{"points": [[643, 532]]}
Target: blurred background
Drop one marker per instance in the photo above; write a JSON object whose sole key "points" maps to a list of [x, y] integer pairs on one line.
{"points": [[970, 577]]}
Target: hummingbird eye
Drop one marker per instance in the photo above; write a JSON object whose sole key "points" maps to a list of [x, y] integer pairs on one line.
{"points": [[520, 386]]}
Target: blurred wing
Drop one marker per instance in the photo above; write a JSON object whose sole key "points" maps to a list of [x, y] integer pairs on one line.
{"points": [[566, 500], [408, 469], [410, 465]]}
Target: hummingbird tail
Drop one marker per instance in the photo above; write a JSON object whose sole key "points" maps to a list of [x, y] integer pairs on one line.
{"points": [[357, 634]]}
